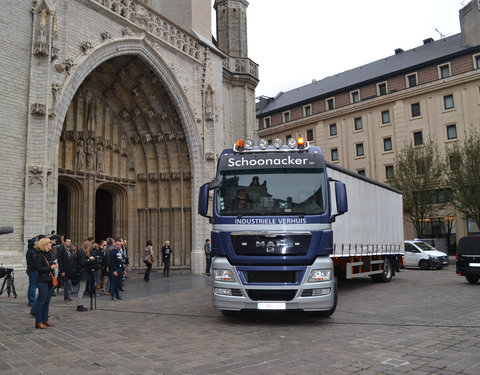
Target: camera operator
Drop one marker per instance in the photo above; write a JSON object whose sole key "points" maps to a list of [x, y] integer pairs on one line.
{"points": [[31, 272]]}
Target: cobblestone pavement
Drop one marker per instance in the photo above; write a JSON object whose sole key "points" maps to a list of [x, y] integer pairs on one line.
{"points": [[423, 322]]}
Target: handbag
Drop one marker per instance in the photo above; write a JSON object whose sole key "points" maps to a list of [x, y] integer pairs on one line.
{"points": [[149, 260], [54, 279]]}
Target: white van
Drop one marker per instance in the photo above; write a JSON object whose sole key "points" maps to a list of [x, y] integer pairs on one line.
{"points": [[421, 254]]}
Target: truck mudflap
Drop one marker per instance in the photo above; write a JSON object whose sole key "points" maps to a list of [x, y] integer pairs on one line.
{"points": [[234, 291]]}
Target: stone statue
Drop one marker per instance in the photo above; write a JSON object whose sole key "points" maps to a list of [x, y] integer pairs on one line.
{"points": [[100, 158], [80, 155], [90, 155]]}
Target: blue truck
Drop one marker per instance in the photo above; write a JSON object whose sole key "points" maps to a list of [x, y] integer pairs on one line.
{"points": [[280, 236]]}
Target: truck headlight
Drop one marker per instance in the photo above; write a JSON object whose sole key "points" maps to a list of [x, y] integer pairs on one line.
{"points": [[320, 275], [223, 275]]}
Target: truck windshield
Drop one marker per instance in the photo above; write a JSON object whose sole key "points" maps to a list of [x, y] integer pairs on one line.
{"points": [[271, 192]]}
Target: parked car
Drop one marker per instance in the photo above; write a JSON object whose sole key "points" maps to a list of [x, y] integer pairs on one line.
{"points": [[468, 258], [421, 254]]}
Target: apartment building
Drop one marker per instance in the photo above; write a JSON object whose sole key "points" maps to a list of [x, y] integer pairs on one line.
{"points": [[362, 117]]}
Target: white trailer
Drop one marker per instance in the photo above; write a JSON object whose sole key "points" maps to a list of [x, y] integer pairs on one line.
{"points": [[368, 239]]}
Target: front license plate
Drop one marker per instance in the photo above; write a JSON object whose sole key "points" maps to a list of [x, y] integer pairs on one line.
{"points": [[445, 262], [474, 264], [271, 305]]}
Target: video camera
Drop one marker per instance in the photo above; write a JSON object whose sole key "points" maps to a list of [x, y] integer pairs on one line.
{"points": [[5, 271]]}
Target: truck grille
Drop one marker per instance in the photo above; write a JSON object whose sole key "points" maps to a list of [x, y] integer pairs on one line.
{"points": [[271, 276], [271, 244], [271, 295]]}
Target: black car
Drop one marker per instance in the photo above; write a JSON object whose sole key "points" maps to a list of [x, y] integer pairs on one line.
{"points": [[468, 258]]}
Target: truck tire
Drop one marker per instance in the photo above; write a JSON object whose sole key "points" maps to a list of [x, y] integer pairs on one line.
{"points": [[387, 274], [472, 279], [423, 264], [327, 313]]}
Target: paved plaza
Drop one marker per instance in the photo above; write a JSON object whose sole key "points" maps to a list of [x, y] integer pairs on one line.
{"points": [[423, 322]]}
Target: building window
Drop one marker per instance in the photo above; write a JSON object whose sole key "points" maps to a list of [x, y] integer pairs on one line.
{"points": [[453, 163], [334, 153], [385, 117], [387, 144], [286, 116], [417, 138], [415, 109], [476, 62], [310, 135], [267, 122], [382, 88], [333, 130], [355, 96], [389, 172], [412, 80], [451, 131], [361, 172], [358, 123], [330, 104], [444, 71], [307, 110], [448, 101], [359, 149]]}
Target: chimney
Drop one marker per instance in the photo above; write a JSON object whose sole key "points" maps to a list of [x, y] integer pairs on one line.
{"points": [[428, 40], [398, 50], [470, 23]]}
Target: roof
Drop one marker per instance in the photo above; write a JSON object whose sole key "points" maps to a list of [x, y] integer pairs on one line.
{"points": [[403, 61]]}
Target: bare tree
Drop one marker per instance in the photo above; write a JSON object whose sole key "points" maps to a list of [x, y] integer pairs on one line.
{"points": [[419, 173], [464, 176]]}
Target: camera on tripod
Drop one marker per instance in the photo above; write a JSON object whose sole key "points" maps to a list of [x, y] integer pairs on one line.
{"points": [[5, 272]]}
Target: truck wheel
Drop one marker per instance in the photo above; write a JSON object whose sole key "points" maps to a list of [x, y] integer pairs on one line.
{"points": [[326, 314], [423, 264], [387, 274], [472, 279]]}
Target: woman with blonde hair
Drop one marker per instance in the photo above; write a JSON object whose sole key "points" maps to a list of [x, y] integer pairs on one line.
{"points": [[44, 270]]}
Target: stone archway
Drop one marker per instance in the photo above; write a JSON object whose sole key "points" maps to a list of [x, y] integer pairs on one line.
{"points": [[123, 134]]}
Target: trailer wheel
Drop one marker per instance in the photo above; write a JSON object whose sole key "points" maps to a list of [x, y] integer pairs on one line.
{"points": [[387, 274], [472, 279], [423, 264]]}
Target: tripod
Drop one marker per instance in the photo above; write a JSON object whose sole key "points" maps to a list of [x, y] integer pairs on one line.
{"points": [[10, 286], [93, 291]]}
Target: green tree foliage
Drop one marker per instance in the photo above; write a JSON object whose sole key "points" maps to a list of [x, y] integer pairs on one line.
{"points": [[464, 176], [419, 172]]}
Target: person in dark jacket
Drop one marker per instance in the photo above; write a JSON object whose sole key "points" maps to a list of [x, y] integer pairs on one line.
{"points": [[84, 260], [65, 258], [166, 252], [117, 269], [44, 270], [31, 272]]}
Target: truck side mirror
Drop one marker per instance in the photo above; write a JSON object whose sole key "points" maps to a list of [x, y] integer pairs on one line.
{"points": [[203, 200], [341, 200], [203, 197], [341, 197]]}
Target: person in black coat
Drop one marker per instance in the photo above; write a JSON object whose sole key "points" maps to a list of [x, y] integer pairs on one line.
{"points": [[166, 253], [84, 261], [117, 269], [31, 272], [44, 269]]}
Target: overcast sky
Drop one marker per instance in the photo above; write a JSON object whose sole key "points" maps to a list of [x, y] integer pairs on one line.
{"points": [[295, 41]]}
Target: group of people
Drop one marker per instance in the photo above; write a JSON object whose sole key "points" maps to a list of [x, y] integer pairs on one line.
{"points": [[92, 267]]}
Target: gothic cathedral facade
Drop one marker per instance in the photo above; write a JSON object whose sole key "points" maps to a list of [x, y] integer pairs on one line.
{"points": [[113, 113]]}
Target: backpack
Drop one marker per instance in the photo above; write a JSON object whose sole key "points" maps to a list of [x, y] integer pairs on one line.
{"points": [[71, 267]]}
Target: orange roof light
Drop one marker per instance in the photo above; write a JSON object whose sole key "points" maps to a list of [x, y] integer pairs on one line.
{"points": [[240, 144], [301, 142]]}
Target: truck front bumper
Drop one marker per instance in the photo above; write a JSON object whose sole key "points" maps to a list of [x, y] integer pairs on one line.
{"points": [[304, 295]]}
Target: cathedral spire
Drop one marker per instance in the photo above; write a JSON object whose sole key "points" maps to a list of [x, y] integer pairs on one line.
{"points": [[232, 27]]}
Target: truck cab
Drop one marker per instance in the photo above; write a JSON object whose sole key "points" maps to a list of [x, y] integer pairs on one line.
{"points": [[271, 233]]}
